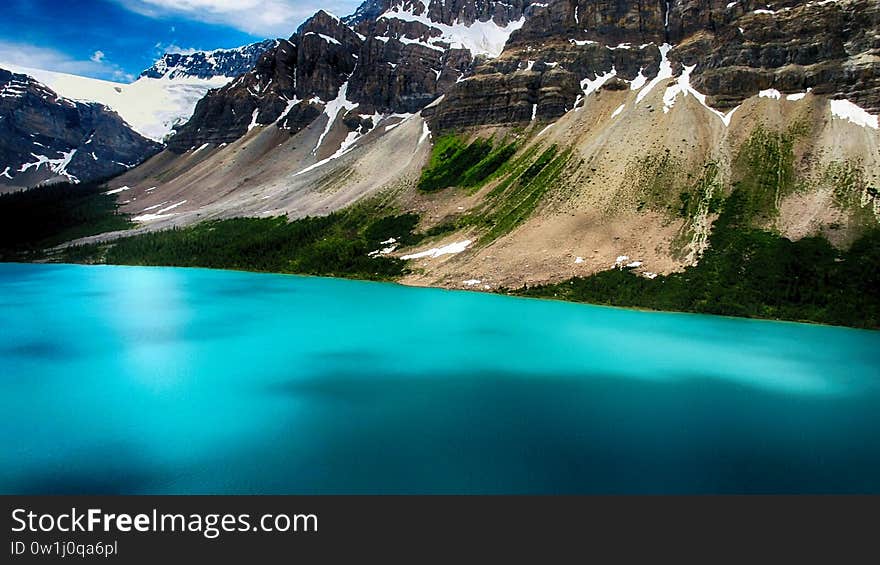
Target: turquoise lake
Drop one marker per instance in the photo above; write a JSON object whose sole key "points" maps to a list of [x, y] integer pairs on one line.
{"points": [[163, 380]]}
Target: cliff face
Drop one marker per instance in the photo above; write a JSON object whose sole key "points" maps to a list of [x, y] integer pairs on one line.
{"points": [[737, 49], [390, 57], [45, 137], [832, 48]]}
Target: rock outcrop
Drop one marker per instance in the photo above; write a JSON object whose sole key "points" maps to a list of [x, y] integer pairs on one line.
{"points": [[737, 49]]}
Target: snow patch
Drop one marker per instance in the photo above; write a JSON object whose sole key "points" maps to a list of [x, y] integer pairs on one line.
{"points": [[683, 86], [391, 246], [846, 110], [254, 123], [664, 73], [332, 110], [57, 165], [160, 214], [426, 132], [345, 148], [590, 86], [287, 109], [407, 41], [148, 208], [450, 249], [639, 81], [480, 38], [326, 38], [118, 190]]}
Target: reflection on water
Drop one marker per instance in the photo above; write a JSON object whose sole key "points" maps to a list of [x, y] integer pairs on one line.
{"points": [[144, 380]]}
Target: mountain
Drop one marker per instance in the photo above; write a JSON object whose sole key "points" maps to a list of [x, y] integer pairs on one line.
{"points": [[46, 137], [228, 63], [395, 63], [733, 51], [542, 142], [164, 95]]}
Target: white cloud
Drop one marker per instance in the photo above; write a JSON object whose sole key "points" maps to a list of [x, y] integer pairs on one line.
{"points": [[161, 48], [121, 76], [265, 18], [37, 57], [172, 48]]}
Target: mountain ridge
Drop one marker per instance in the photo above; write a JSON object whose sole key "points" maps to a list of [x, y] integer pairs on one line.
{"points": [[208, 64]]}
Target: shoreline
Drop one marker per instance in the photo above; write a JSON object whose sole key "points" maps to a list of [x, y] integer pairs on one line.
{"points": [[474, 291]]}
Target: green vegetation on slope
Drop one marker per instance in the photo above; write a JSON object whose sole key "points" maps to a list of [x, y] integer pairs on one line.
{"points": [[337, 245], [456, 163], [764, 172], [749, 271], [524, 182], [851, 191], [39, 218], [752, 273], [658, 180], [513, 201]]}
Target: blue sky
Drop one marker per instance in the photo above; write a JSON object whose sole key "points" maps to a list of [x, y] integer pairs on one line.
{"points": [[117, 39]]}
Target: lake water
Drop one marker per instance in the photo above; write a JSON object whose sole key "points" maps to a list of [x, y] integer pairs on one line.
{"points": [[163, 380]]}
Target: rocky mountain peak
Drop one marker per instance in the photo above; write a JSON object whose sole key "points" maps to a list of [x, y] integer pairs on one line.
{"points": [[369, 10], [209, 64]]}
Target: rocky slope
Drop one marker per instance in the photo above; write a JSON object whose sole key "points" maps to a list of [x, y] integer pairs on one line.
{"points": [[45, 137], [603, 135]]}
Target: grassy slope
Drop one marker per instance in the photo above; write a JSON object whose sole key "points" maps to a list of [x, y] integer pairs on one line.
{"points": [[521, 182], [748, 271]]}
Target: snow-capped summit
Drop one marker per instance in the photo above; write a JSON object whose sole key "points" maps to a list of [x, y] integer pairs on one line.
{"points": [[228, 63]]}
